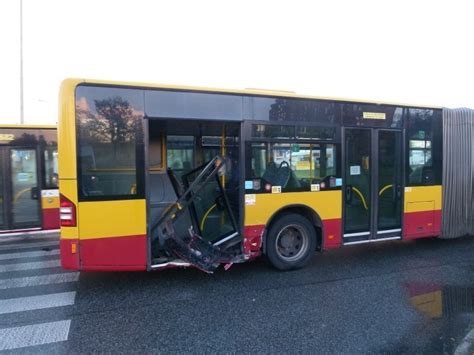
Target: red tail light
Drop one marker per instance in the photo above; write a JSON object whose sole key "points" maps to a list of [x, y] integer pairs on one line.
{"points": [[67, 212]]}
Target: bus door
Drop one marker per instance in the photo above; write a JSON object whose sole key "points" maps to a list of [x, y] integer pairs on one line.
{"points": [[19, 193], [373, 185], [203, 247]]}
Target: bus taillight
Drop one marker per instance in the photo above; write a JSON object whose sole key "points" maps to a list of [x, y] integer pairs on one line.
{"points": [[67, 212]]}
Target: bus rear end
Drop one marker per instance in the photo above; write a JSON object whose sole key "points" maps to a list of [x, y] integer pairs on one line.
{"points": [[102, 203]]}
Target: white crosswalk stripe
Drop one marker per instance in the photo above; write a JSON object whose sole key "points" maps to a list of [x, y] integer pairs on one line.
{"points": [[35, 334], [22, 304], [39, 280], [33, 277], [29, 245], [28, 254], [36, 265]]}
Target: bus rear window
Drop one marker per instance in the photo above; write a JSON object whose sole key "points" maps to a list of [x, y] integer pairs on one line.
{"points": [[110, 143]]}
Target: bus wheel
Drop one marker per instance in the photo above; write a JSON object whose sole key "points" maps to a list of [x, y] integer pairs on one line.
{"points": [[291, 242]]}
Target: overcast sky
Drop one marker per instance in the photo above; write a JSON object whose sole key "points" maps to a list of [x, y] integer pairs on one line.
{"points": [[418, 52]]}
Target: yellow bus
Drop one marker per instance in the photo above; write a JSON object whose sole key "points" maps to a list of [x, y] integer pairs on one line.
{"points": [[29, 196], [160, 176]]}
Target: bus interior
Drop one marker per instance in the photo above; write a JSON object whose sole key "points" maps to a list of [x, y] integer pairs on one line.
{"points": [[194, 209]]}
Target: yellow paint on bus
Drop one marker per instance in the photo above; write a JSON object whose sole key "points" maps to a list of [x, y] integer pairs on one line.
{"points": [[327, 204], [106, 219]]}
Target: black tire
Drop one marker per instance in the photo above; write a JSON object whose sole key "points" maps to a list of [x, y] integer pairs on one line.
{"points": [[290, 242]]}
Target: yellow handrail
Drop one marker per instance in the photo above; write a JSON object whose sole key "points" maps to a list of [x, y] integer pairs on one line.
{"points": [[205, 216], [19, 193], [385, 188], [361, 197]]}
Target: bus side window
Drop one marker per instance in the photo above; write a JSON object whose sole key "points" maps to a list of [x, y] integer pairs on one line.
{"points": [[294, 167]]}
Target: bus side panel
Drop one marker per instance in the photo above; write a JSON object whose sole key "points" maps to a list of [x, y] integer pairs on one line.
{"points": [[50, 209], [121, 253], [259, 208], [422, 212], [113, 235]]}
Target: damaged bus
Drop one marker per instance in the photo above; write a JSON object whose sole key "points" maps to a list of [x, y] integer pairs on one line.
{"points": [[160, 176]]}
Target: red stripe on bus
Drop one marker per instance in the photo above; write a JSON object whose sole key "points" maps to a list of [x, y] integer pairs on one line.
{"points": [[69, 253], [116, 253], [421, 224], [253, 239], [50, 218], [332, 233]]}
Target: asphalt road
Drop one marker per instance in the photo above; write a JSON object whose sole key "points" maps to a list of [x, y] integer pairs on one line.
{"points": [[392, 297]]}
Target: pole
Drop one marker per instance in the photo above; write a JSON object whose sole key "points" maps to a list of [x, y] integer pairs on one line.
{"points": [[22, 118]]}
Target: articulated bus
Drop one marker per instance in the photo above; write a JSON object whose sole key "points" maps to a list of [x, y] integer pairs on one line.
{"points": [[159, 176], [29, 196]]}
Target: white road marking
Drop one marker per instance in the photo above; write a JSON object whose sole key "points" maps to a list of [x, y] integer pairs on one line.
{"points": [[29, 245], [35, 334], [28, 254], [467, 344], [30, 234], [30, 266], [22, 304], [38, 280]]}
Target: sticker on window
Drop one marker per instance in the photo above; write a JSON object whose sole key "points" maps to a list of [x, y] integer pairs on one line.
{"points": [[314, 187], [355, 170], [338, 182], [248, 184], [276, 189], [250, 199]]}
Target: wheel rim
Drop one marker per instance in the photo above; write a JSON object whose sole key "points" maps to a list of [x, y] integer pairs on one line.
{"points": [[291, 242]]}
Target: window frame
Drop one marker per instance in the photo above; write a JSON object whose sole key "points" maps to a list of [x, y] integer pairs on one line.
{"points": [[139, 154]]}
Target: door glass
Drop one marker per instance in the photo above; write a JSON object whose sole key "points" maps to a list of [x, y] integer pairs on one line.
{"points": [[389, 180], [24, 179], [2, 189], [357, 181], [211, 209], [180, 154]]}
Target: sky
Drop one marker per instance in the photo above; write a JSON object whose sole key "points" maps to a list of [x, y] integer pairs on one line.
{"points": [[418, 52]]}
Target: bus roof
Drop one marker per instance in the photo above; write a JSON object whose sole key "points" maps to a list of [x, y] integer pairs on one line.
{"points": [[28, 126], [72, 82]]}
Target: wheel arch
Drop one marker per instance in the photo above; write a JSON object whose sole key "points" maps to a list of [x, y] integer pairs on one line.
{"points": [[303, 210]]}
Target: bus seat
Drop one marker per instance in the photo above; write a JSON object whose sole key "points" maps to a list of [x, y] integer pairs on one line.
{"points": [[283, 176], [270, 173]]}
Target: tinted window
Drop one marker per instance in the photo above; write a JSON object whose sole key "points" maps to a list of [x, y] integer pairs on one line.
{"points": [[292, 167], [50, 168], [367, 115], [288, 109], [292, 132], [424, 147], [28, 137], [316, 133], [110, 142], [180, 153], [273, 131], [176, 104]]}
